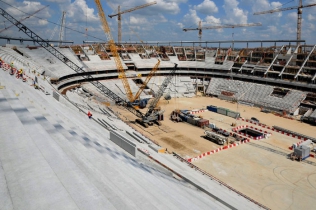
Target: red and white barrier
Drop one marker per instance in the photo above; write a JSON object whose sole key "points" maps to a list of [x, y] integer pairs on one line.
{"points": [[237, 129], [196, 111], [216, 151]]}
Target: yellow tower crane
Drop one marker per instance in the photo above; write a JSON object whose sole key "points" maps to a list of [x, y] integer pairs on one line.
{"points": [[119, 18], [299, 16]]}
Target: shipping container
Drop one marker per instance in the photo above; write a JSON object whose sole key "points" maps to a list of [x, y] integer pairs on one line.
{"points": [[222, 111], [212, 108], [203, 122], [233, 114]]}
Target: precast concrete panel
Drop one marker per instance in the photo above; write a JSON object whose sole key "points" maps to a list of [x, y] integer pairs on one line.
{"points": [[123, 142]]}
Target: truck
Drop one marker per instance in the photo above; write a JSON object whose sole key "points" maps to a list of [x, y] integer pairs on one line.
{"points": [[219, 139]]}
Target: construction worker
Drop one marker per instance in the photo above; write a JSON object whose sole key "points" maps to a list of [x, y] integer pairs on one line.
{"points": [[18, 74], [11, 66], [89, 114], [1, 62], [21, 73]]}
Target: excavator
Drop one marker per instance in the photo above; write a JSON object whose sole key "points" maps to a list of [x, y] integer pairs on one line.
{"points": [[152, 114]]}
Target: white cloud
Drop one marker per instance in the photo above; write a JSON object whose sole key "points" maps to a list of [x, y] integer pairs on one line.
{"points": [[206, 7], [28, 7], [191, 18], [234, 14], [79, 11], [311, 17], [212, 20]]}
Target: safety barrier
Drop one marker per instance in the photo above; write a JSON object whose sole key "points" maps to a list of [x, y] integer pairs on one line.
{"points": [[217, 180], [273, 129], [196, 111], [266, 134], [216, 151]]}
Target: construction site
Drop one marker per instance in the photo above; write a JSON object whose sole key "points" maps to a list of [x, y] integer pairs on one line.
{"points": [[184, 125]]}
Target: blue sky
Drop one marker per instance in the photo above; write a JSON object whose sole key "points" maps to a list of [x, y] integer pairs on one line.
{"points": [[165, 20]]}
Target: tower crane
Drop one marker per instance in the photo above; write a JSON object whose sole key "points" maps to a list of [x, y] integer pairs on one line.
{"points": [[299, 16], [144, 119], [200, 28], [119, 18]]}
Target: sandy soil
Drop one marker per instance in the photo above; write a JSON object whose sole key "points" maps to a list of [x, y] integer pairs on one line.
{"points": [[269, 178]]}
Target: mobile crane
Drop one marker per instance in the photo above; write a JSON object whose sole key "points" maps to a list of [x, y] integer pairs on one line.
{"points": [[151, 115], [132, 100]]}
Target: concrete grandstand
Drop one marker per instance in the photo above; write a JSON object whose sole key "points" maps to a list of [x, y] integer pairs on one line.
{"points": [[87, 168], [56, 158]]}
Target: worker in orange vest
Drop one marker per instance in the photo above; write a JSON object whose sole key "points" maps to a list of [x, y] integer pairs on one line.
{"points": [[89, 114]]}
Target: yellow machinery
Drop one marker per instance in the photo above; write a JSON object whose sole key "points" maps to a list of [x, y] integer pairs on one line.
{"points": [[150, 75], [115, 54], [117, 59]]}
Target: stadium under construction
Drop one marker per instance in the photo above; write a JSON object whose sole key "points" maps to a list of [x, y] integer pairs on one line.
{"points": [[171, 125]]}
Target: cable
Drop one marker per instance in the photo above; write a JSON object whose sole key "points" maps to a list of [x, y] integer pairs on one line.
{"points": [[52, 22]]}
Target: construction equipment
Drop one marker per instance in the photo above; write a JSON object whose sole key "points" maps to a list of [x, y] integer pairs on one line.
{"points": [[299, 16], [144, 119], [119, 18], [142, 103], [215, 137], [119, 66], [200, 28], [30, 15], [46, 45], [115, 54], [152, 114]]}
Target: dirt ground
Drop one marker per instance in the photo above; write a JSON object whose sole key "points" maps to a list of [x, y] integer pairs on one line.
{"points": [[256, 171]]}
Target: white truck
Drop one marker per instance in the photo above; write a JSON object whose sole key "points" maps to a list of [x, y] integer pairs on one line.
{"points": [[219, 139]]}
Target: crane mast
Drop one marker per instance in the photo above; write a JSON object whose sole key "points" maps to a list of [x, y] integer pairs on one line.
{"points": [[62, 28], [119, 17], [299, 16]]}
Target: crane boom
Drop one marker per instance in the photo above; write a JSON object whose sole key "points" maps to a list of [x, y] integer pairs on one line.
{"points": [[223, 26], [133, 9], [115, 54], [283, 9], [160, 92], [150, 75], [30, 15], [119, 18]]}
